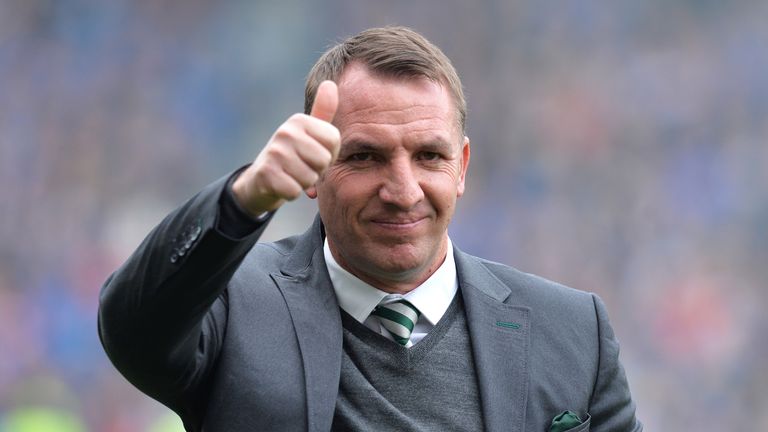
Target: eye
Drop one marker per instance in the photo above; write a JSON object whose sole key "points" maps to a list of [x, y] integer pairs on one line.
{"points": [[360, 157], [429, 156]]}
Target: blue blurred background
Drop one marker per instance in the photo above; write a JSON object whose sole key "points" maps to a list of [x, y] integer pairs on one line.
{"points": [[618, 147]]}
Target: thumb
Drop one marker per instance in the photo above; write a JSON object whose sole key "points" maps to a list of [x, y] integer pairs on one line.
{"points": [[326, 101]]}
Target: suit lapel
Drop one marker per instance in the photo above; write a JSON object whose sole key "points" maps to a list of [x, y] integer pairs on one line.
{"points": [[500, 335], [312, 303]]}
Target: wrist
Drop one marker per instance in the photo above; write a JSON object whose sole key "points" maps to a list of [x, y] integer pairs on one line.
{"points": [[239, 189]]}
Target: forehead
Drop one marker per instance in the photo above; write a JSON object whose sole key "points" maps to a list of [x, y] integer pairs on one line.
{"points": [[369, 98]]}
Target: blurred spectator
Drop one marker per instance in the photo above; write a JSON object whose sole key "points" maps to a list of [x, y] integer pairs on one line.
{"points": [[618, 148]]}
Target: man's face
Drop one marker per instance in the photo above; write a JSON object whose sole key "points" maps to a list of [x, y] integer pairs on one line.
{"points": [[387, 200]]}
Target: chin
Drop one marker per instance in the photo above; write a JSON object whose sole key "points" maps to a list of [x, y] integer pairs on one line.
{"points": [[399, 267]]}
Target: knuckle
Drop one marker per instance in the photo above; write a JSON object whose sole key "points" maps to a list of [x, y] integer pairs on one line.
{"points": [[335, 134], [292, 192], [297, 118], [277, 153], [285, 133], [310, 179], [329, 133], [319, 160], [325, 157]]}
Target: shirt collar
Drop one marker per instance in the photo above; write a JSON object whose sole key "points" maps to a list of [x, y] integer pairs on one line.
{"points": [[358, 298]]}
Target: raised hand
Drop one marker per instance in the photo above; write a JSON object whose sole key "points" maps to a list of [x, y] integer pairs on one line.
{"points": [[300, 150]]}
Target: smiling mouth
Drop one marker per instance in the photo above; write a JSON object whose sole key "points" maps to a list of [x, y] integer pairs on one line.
{"points": [[397, 224]]}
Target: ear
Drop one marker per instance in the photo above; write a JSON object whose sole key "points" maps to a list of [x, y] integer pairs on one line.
{"points": [[311, 192], [465, 153]]}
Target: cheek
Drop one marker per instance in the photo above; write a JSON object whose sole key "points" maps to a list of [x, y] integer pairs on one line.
{"points": [[347, 192], [352, 183], [446, 179], [441, 199], [442, 192], [449, 172]]}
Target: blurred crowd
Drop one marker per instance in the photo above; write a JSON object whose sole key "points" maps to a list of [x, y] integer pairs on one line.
{"points": [[618, 147]]}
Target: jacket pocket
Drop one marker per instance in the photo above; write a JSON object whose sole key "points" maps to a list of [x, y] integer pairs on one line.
{"points": [[583, 427]]}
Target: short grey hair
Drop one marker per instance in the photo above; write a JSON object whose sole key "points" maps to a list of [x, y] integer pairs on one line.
{"points": [[391, 51]]}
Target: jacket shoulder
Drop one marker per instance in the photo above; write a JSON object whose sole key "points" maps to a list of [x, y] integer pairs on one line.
{"points": [[525, 287]]}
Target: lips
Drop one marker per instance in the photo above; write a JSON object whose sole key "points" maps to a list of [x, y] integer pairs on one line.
{"points": [[398, 224], [397, 221]]}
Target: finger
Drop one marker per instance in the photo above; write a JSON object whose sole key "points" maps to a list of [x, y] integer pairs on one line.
{"points": [[302, 160], [284, 186], [263, 188], [315, 155], [326, 101], [300, 172], [295, 141], [325, 134]]}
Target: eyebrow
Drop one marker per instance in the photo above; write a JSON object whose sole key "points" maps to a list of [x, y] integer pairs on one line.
{"points": [[354, 146], [436, 146]]}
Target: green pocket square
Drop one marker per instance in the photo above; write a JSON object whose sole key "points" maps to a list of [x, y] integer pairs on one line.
{"points": [[564, 421]]}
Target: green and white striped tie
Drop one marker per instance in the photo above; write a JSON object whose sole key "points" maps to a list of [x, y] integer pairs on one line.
{"points": [[399, 318]]}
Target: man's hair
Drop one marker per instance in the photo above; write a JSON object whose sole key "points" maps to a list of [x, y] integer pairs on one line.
{"points": [[397, 52]]}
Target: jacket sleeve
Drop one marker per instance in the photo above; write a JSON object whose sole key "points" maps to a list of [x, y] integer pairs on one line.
{"points": [[163, 313], [611, 405]]}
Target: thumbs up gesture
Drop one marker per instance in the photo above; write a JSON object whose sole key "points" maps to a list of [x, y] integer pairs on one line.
{"points": [[300, 150]]}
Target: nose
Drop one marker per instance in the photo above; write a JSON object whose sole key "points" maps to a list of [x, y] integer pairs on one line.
{"points": [[400, 185]]}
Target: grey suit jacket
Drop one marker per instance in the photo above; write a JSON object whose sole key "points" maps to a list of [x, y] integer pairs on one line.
{"points": [[238, 336]]}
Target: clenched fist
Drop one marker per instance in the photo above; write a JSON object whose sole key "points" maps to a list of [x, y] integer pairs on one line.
{"points": [[300, 150]]}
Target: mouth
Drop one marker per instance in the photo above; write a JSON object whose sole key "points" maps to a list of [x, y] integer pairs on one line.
{"points": [[396, 224]]}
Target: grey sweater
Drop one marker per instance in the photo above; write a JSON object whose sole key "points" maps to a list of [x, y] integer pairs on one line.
{"points": [[431, 386]]}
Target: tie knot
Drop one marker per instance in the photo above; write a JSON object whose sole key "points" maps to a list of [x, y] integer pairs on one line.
{"points": [[398, 317]]}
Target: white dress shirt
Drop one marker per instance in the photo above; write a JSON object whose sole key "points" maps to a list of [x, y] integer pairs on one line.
{"points": [[431, 298]]}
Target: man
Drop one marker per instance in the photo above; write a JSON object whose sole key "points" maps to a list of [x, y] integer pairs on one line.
{"points": [[370, 320]]}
